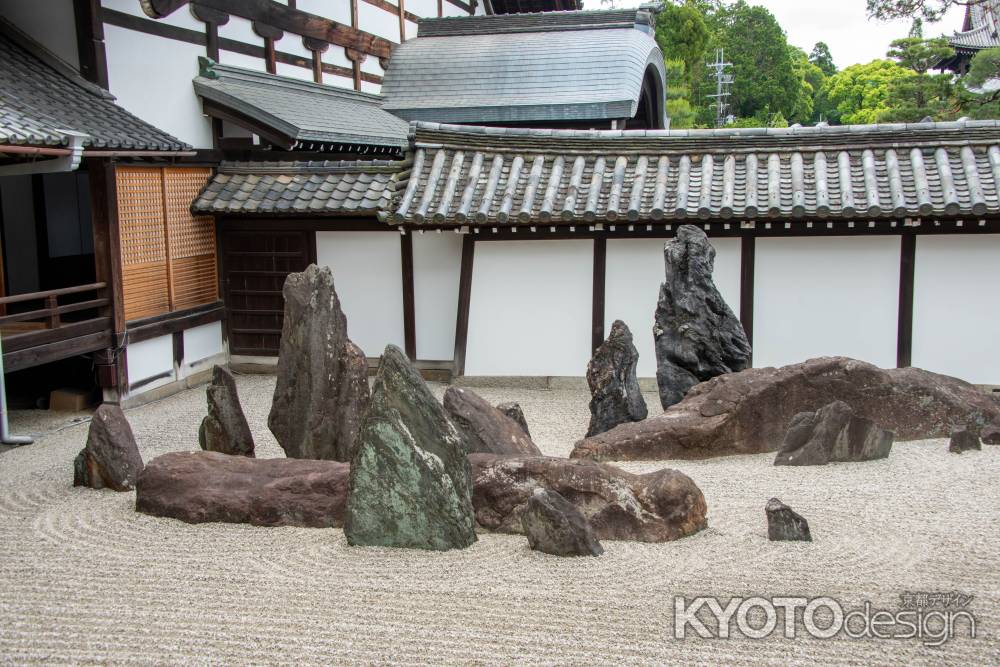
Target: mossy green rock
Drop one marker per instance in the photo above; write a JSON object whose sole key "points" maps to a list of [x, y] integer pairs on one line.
{"points": [[410, 478]]}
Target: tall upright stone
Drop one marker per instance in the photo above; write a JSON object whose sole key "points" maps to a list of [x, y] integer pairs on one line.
{"points": [[614, 388], [410, 478], [322, 388], [224, 429], [110, 459], [697, 335]]}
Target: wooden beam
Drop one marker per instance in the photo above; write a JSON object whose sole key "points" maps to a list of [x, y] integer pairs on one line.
{"points": [[464, 300], [904, 329], [402, 21], [169, 323], [597, 310], [748, 254], [409, 310], [63, 349], [22, 341], [90, 41]]}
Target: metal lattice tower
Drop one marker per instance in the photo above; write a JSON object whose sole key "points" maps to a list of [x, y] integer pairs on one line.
{"points": [[723, 87]]}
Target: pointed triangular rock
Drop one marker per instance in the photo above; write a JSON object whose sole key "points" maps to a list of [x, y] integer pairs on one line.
{"points": [[110, 459], [614, 388], [224, 429], [322, 387], [410, 477]]}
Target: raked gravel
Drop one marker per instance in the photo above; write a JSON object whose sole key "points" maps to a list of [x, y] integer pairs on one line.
{"points": [[84, 579]]}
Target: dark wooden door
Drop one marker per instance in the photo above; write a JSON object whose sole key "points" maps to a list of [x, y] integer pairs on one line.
{"points": [[255, 265]]}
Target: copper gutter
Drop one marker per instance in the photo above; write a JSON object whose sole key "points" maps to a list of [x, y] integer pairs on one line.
{"points": [[34, 150], [89, 153]]}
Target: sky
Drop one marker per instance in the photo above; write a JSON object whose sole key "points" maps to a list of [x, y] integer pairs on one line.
{"points": [[842, 24]]}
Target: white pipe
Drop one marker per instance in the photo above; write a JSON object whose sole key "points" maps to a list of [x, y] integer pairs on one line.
{"points": [[5, 436]]}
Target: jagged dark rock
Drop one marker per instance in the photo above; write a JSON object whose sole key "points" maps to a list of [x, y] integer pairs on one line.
{"points": [[655, 507], [991, 435], [225, 429], [697, 335], [555, 526], [484, 428], [514, 411], [322, 387], [964, 439], [110, 459], [832, 433], [783, 523], [202, 487], [614, 389], [410, 483], [748, 412]]}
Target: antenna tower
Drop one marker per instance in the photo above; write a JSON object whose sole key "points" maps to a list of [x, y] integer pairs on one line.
{"points": [[723, 87]]}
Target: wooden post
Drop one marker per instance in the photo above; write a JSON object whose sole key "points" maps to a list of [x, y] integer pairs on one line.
{"points": [[52, 304], [113, 365], [597, 310], [748, 247], [409, 312], [904, 329], [464, 300], [402, 21], [90, 41], [317, 47]]}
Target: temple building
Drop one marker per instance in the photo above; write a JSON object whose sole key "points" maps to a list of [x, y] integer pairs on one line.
{"points": [[979, 31]]}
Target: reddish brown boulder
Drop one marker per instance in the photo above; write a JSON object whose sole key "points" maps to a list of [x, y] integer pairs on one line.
{"points": [[748, 412], [110, 459], [202, 487], [484, 428], [655, 507]]}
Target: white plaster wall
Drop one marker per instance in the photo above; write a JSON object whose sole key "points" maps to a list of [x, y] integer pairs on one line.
{"points": [[337, 11], [530, 311], [379, 22], [956, 306], [367, 273], [437, 266], [241, 30], [202, 342], [150, 358], [423, 8], [54, 27], [633, 276], [826, 296], [242, 60], [151, 77]]}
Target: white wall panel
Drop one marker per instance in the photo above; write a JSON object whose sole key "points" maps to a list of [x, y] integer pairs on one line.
{"points": [[293, 71], [437, 266], [530, 310], [241, 30], [826, 296], [242, 60], [336, 11], [151, 77], [150, 358], [956, 306], [367, 273], [53, 27], [379, 22], [633, 276], [202, 342]]}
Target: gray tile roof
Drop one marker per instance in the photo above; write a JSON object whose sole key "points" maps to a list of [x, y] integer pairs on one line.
{"points": [[309, 115], [982, 33], [41, 95], [299, 188], [497, 176], [560, 66]]}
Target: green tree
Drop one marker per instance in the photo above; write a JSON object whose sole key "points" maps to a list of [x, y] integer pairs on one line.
{"points": [[682, 35], [823, 59], [864, 93], [682, 115], [920, 54], [931, 10], [978, 95], [811, 80]]}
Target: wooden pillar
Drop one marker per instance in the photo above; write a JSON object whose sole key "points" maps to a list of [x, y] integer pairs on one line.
{"points": [[440, 8], [597, 310], [270, 35], [356, 58], [402, 21], [904, 329], [464, 301], [317, 47], [90, 41], [409, 312], [748, 247]]}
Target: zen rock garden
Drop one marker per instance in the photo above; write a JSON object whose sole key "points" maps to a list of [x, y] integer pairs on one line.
{"points": [[392, 466]]}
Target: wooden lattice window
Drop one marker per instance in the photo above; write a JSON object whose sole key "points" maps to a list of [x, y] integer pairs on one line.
{"points": [[168, 255]]}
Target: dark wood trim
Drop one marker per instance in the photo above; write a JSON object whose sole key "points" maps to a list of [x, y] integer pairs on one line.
{"points": [[23, 341], [409, 298], [61, 349], [251, 125], [748, 257], [597, 310], [169, 323], [402, 21], [305, 224], [904, 329], [178, 348], [464, 301], [212, 41], [150, 380], [440, 8], [270, 56], [90, 41]]}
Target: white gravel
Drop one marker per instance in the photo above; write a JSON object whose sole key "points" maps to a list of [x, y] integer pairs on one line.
{"points": [[86, 580]]}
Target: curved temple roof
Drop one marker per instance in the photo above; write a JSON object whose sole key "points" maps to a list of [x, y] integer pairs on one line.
{"points": [[553, 67]]}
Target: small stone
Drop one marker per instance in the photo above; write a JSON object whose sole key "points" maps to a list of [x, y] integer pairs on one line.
{"points": [[554, 526], [991, 435], [225, 428], [964, 439], [614, 389], [410, 478], [110, 459], [783, 523], [485, 429], [514, 411], [832, 433]]}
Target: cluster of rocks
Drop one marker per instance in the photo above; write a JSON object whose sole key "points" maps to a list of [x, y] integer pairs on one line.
{"points": [[832, 433]]}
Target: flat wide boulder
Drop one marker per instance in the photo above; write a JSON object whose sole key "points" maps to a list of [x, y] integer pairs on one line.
{"points": [[410, 484], [696, 334], [224, 429], [615, 397], [205, 487], [655, 507], [110, 459], [322, 386], [832, 434], [748, 412], [555, 526], [486, 429]]}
